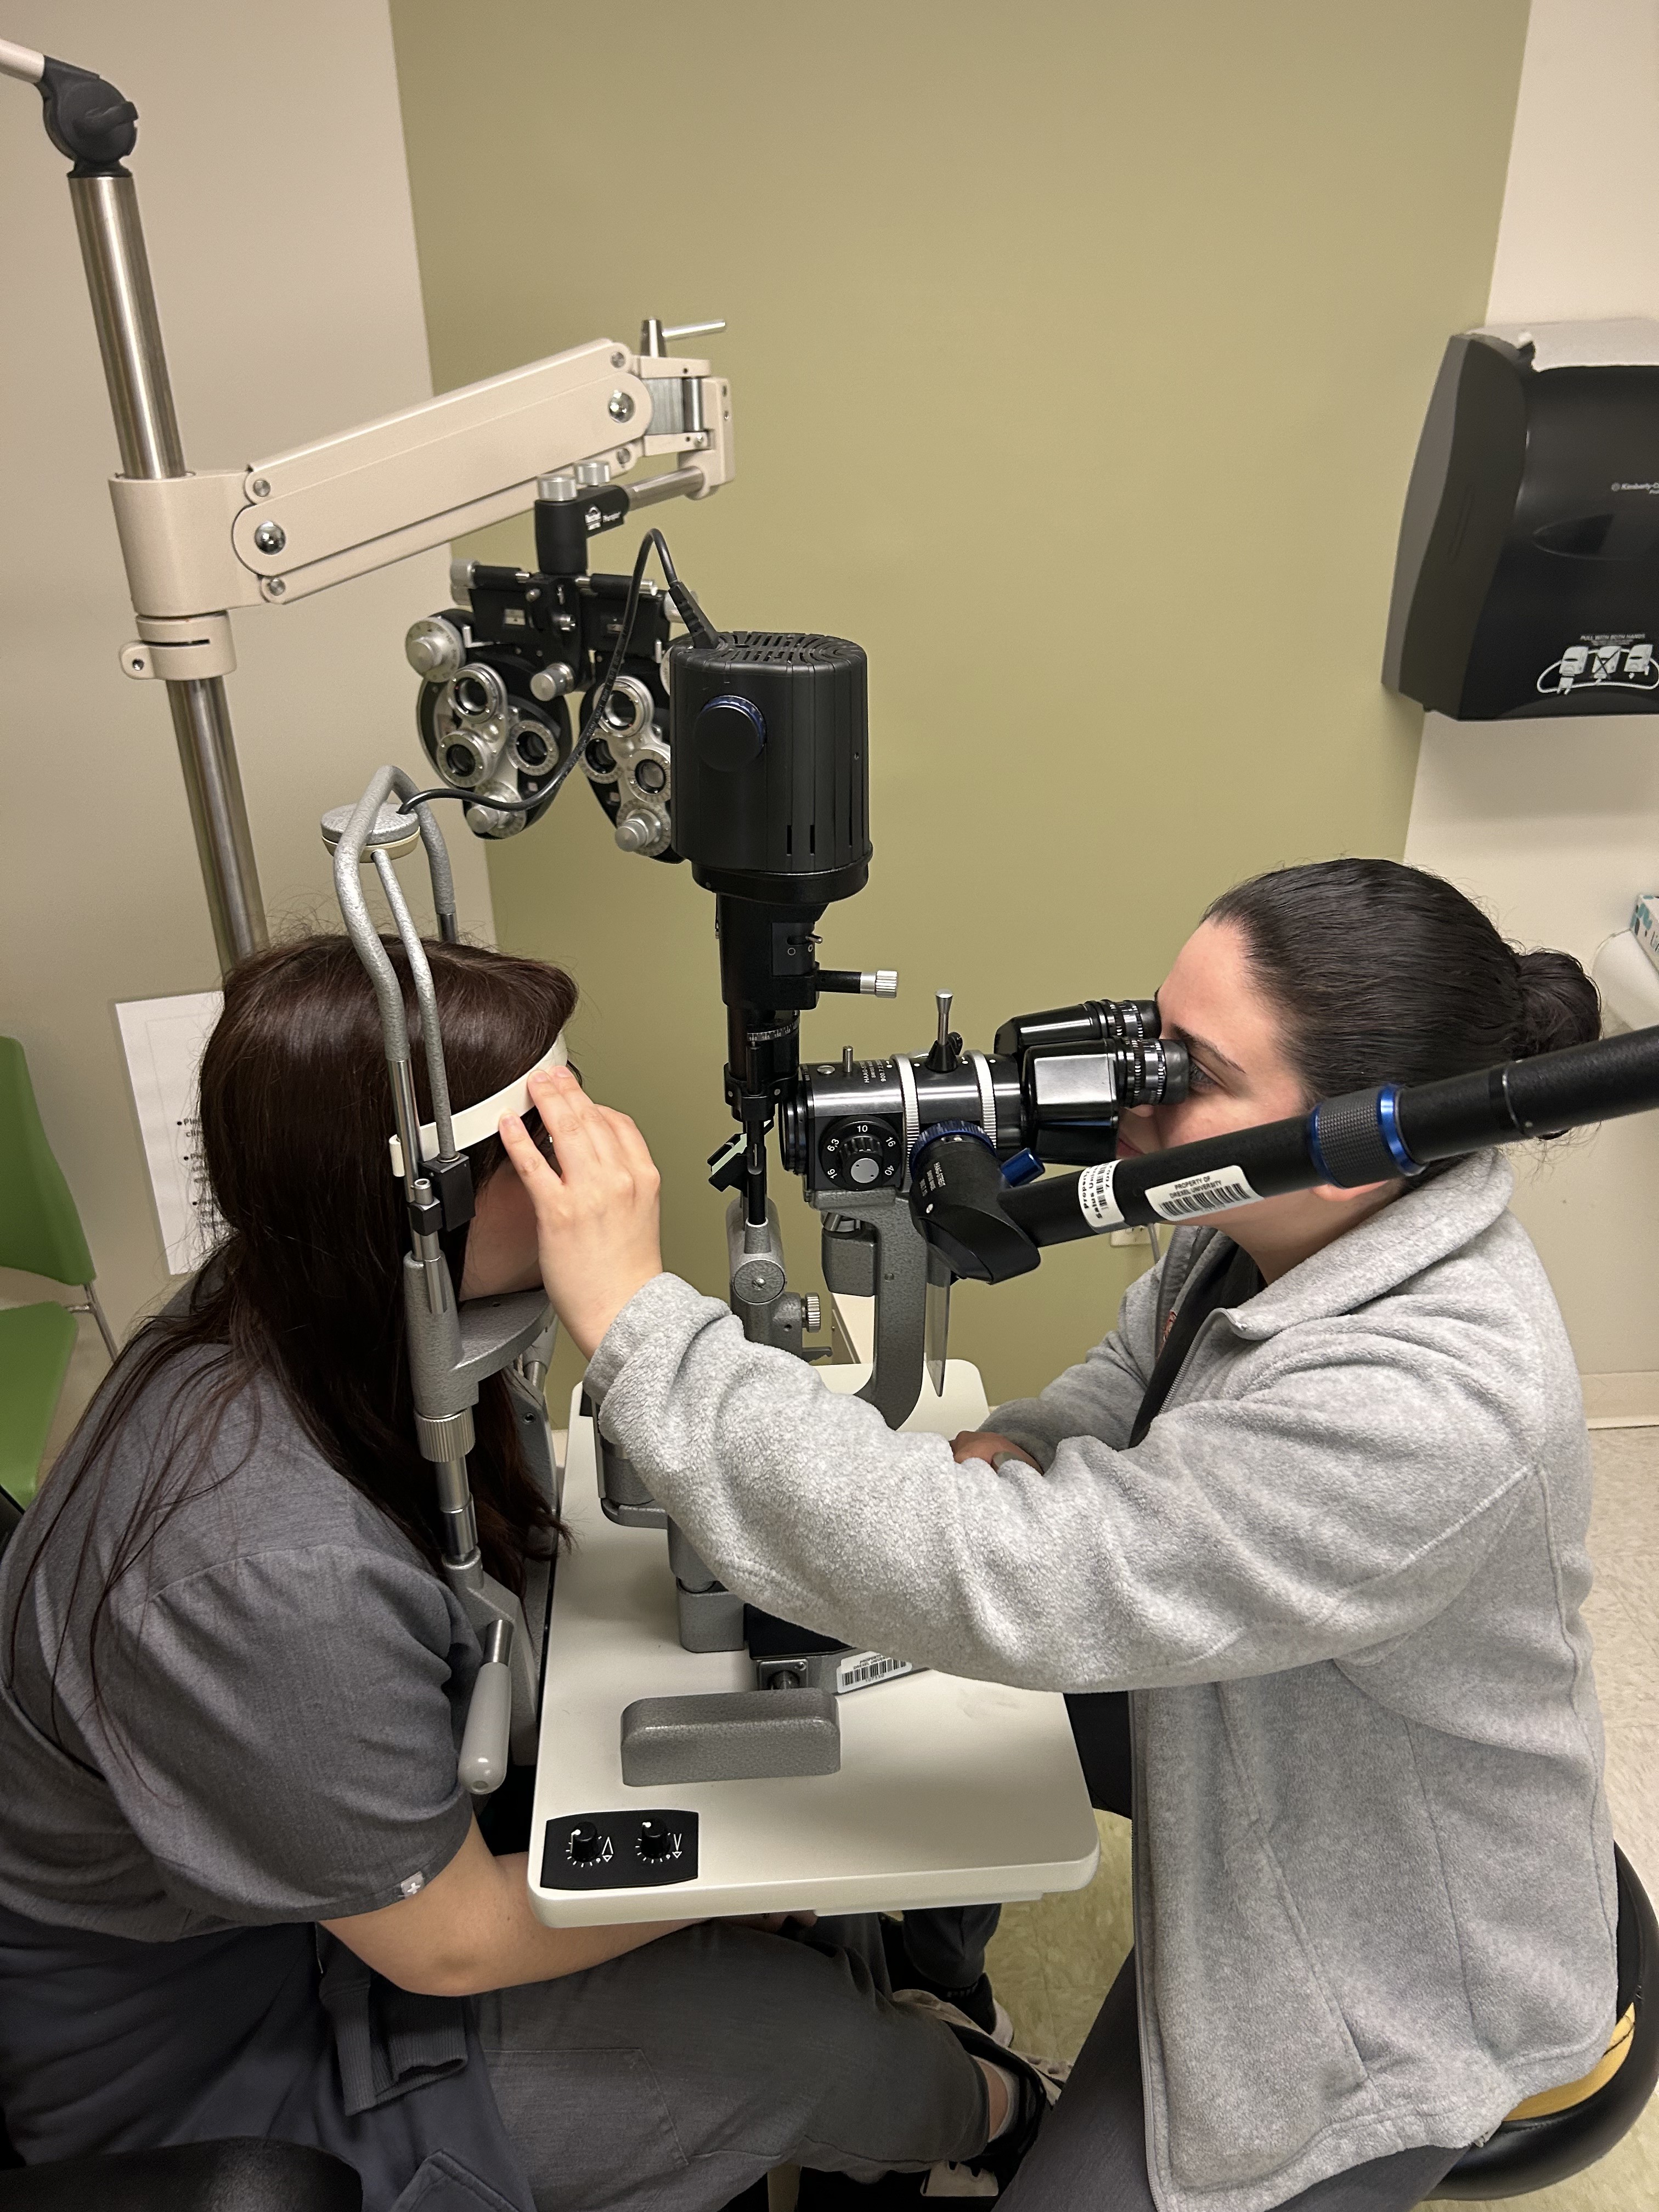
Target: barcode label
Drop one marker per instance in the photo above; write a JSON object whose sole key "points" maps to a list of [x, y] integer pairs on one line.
{"points": [[859, 1668], [1094, 1197], [1202, 1193]]}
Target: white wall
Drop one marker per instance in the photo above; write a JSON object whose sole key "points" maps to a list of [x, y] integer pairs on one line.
{"points": [[1555, 825], [272, 182]]}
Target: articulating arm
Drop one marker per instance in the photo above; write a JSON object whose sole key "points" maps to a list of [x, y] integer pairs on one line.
{"points": [[197, 546]]}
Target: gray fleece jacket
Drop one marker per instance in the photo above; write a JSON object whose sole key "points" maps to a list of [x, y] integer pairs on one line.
{"points": [[1343, 1575]]}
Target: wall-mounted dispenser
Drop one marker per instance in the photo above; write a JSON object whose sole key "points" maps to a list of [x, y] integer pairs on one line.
{"points": [[1528, 576]]}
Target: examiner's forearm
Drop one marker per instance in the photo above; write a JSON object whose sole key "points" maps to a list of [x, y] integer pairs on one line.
{"points": [[471, 1929]]}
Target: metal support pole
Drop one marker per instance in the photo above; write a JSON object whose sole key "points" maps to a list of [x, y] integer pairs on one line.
{"points": [[146, 437]]}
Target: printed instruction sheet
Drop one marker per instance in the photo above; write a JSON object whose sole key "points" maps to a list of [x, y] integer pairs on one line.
{"points": [[163, 1040]]}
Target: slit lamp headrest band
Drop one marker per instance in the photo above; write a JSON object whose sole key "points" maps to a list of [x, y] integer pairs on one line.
{"points": [[474, 1123]]}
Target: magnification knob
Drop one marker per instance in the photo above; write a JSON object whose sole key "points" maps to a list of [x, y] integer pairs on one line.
{"points": [[861, 1159], [859, 1153], [729, 733]]}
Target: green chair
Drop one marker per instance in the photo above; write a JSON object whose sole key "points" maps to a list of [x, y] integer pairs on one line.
{"points": [[40, 1233]]}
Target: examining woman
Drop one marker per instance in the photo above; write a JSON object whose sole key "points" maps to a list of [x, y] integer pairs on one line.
{"points": [[241, 1892], [1318, 1503]]}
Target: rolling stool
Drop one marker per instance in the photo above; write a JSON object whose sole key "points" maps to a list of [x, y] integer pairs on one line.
{"points": [[241, 2174], [1561, 2131]]}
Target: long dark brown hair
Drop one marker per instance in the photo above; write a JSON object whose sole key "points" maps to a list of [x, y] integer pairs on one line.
{"points": [[305, 1289]]}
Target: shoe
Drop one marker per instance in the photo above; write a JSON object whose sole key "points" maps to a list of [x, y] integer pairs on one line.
{"points": [[1040, 2079], [944, 2180]]}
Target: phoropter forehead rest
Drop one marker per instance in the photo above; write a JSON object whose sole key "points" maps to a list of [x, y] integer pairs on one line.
{"points": [[474, 1123]]}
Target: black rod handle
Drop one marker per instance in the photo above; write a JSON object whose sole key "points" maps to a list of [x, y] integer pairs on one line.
{"points": [[1369, 1136], [1566, 1089], [87, 120]]}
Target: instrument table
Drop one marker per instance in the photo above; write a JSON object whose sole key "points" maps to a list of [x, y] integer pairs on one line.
{"points": [[950, 1791]]}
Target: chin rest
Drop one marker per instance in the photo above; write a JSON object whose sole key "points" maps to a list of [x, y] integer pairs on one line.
{"points": [[1563, 2131], [243, 2174]]}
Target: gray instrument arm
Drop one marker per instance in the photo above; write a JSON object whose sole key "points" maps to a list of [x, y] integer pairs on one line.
{"points": [[443, 880], [354, 907], [348, 856], [486, 1738], [427, 998]]}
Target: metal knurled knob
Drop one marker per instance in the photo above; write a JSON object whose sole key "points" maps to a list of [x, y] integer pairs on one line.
{"points": [[444, 1435]]}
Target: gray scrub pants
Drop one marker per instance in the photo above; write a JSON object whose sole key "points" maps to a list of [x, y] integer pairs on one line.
{"points": [[674, 2077], [946, 1943]]}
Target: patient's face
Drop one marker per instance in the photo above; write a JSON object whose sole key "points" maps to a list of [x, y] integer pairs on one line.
{"points": [[501, 1246]]}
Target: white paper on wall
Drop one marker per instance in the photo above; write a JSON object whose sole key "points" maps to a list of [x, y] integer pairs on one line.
{"points": [[163, 1040]]}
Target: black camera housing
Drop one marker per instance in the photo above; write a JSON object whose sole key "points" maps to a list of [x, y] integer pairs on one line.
{"points": [[771, 755]]}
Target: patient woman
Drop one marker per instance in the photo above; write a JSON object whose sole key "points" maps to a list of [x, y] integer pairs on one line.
{"points": [[240, 1892], [1318, 1503]]}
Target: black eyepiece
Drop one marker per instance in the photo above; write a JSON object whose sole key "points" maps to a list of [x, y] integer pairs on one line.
{"points": [[1091, 1022]]}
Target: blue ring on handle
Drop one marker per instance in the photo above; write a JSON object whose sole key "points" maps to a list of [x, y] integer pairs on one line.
{"points": [[1388, 1120], [935, 1130]]}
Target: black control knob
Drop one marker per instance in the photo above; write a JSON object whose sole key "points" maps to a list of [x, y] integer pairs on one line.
{"points": [[729, 733], [585, 1845], [655, 1842]]}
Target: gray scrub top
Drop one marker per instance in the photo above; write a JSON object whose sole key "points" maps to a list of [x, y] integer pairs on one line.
{"points": [[281, 1687]]}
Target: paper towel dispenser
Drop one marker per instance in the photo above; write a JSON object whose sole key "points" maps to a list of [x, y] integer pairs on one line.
{"points": [[1528, 576]]}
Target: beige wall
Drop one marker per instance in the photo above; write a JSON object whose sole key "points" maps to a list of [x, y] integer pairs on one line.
{"points": [[1556, 824], [271, 175], [1079, 355]]}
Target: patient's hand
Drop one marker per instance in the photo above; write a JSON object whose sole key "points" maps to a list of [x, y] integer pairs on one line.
{"points": [[985, 1444]]}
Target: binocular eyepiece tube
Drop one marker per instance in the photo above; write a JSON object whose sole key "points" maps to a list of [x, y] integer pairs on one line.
{"points": [[989, 1230], [1054, 1087]]}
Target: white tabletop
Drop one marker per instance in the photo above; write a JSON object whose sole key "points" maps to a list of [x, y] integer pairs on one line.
{"points": [[950, 1792]]}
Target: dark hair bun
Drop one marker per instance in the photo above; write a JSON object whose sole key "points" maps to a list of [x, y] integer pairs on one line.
{"points": [[1383, 973], [1559, 1004]]}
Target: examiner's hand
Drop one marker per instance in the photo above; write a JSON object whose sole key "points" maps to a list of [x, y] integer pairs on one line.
{"points": [[985, 1443], [597, 1235]]}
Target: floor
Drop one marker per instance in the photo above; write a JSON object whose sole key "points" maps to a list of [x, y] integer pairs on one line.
{"points": [[1051, 1962]]}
